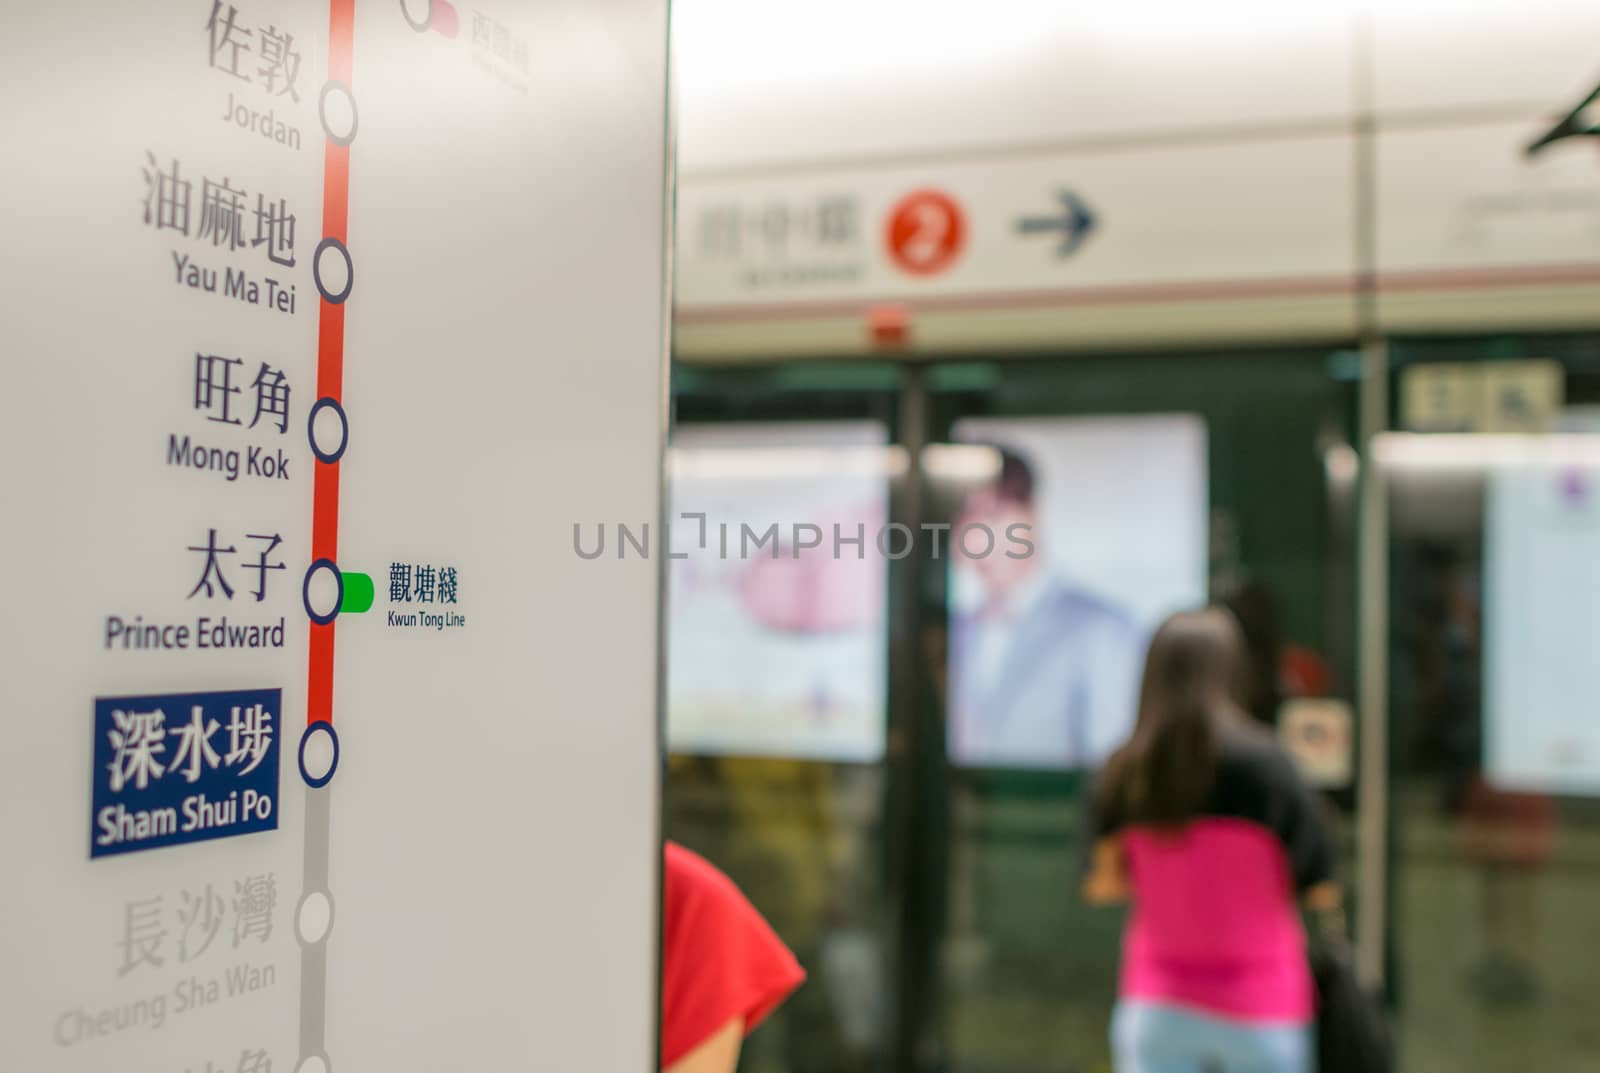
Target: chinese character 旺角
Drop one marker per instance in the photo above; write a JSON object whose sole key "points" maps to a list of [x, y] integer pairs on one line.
{"points": [[214, 388], [272, 397]]}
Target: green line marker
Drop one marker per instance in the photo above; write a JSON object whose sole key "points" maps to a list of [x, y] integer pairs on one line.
{"points": [[357, 593]]}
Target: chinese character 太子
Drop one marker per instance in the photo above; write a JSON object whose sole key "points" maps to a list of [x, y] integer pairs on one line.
{"points": [[194, 753], [275, 230], [138, 740], [227, 37], [279, 60], [254, 898], [166, 199], [399, 583], [249, 737], [142, 934], [261, 566], [447, 584], [502, 42], [222, 212], [212, 568], [214, 388], [272, 396], [424, 578], [254, 1062], [482, 30], [200, 916]]}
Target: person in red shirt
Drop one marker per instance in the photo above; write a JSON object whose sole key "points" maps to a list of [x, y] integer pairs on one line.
{"points": [[723, 969]]}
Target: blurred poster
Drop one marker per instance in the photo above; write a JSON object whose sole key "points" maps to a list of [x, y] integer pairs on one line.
{"points": [[777, 640], [1047, 644], [1541, 622]]}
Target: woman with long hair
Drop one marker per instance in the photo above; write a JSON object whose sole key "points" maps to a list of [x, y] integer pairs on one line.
{"points": [[1203, 822]]}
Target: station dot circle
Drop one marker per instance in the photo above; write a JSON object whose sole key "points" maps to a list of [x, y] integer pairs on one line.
{"points": [[322, 618], [336, 107], [311, 739], [314, 919], [320, 407], [427, 20], [332, 247], [314, 1063]]}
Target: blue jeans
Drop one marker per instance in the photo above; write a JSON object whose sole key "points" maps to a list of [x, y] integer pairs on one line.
{"points": [[1151, 1038]]}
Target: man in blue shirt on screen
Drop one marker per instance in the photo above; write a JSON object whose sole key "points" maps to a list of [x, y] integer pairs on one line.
{"points": [[1042, 674]]}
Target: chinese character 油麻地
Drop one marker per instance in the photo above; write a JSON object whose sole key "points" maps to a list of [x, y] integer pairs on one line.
{"points": [[138, 740], [222, 211], [275, 230], [212, 568], [166, 201]]}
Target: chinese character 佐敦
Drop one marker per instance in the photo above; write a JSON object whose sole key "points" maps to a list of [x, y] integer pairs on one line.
{"points": [[279, 60], [222, 211], [214, 388], [142, 935], [249, 737], [261, 566], [195, 753], [399, 583], [272, 396], [228, 39], [447, 584], [254, 898], [275, 230], [166, 199], [213, 569], [200, 917]]}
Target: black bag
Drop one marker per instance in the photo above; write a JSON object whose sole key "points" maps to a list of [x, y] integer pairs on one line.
{"points": [[1352, 1029]]}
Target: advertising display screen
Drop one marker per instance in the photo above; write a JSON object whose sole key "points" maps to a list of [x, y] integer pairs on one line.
{"points": [[1541, 615], [1099, 527], [777, 635]]}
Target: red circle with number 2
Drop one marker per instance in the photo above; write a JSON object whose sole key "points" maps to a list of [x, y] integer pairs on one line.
{"points": [[927, 231]]}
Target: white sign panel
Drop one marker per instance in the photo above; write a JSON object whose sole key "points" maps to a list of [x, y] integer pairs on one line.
{"points": [[1247, 220], [312, 359]]}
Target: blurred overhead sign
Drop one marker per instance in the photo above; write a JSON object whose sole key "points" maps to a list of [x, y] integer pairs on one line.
{"points": [[1073, 223], [1496, 396]]}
